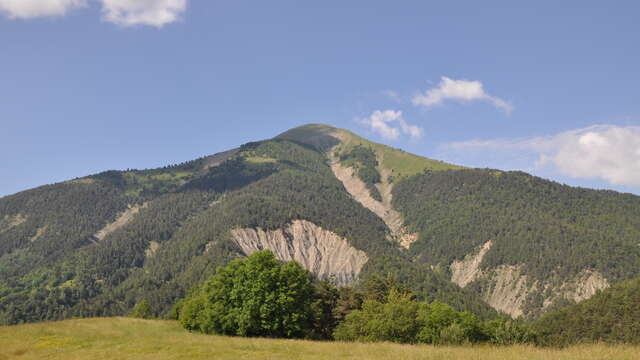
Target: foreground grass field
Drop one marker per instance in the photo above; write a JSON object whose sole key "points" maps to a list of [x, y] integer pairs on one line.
{"points": [[125, 338]]}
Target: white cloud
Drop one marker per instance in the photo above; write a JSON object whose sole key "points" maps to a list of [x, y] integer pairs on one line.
{"points": [[607, 152], [143, 12], [26, 9], [459, 90], [390, 125], [121, 12]]}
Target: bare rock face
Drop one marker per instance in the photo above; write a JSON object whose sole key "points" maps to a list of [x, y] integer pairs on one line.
{"points": [[151, 250], [8, 222], [509, 291], [360, 192], [465, 271], [586, 284], [322, 252], [121, 221], [510, 286], [39, 233]]}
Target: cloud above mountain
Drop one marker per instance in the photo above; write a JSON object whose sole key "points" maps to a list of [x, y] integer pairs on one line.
{"points": [[121, 12], [460, 91], [147, 12], [26, 9], [607, 152], [390, 124]]}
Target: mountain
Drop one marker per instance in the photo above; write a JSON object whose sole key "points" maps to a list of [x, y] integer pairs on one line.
{"points": [[342, 206]]}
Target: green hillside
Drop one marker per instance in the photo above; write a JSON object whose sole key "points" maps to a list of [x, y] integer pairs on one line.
{"points": [[611, 316], [96, 246], [551, 231], [180, 234]]}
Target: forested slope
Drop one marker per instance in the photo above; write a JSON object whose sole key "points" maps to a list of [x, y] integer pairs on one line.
{"points": [[97, 245], [543, 234], [180, 232], [612, 316]]}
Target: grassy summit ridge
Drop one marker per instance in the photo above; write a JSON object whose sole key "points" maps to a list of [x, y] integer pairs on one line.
{"points": [[400, 163]]}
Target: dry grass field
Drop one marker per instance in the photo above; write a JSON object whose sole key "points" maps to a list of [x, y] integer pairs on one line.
{"points": [[125, 338]]}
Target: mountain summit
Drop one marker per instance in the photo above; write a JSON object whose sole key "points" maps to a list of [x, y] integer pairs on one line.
{"points": [[344, 207]]}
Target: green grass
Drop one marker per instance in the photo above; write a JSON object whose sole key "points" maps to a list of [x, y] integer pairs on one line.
{"points": [[259, 159], [171, 176], [139, 180], [125, 338], [402, 163]]}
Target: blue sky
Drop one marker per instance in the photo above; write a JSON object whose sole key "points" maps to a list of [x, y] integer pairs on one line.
{"points": [[550, 88]]}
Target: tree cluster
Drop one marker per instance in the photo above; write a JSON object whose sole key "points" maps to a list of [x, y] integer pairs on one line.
{"points": [[260, 296]]}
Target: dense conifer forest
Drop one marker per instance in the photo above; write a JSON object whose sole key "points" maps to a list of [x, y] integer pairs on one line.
{"points": [[99, 245]]}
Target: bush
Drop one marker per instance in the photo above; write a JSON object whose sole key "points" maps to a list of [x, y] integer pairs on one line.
{"points": [[395, 320], [255, 296], [453, 334], [174, 313], [442, 324], [508, 332], [403, 320], [142, 310]]}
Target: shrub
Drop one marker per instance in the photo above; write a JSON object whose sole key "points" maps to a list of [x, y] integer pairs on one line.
{"points": [[142, 310], [395, 320], [255, 296], [442, 324], [508, 332], [401, 319]]}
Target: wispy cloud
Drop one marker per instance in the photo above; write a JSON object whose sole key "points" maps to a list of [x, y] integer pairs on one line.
{"points": [[143, 12], [607, 152], [121, 12], [459, 90], [27, 9], [390, 124]]}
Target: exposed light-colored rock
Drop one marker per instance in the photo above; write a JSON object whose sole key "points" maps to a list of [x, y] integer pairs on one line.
{"points": [[465, 271], [39, 233], [322, 252], [9, 222], [583, 286], [151, 250], [383, 209], [509, 291], [508, 287], [120, 221], [406, 238]]}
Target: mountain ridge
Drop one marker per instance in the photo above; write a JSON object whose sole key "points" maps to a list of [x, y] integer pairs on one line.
{"points": [[61, 254]]}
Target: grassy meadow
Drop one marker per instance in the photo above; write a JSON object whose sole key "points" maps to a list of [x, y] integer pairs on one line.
{"points": [[126, 338]]}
